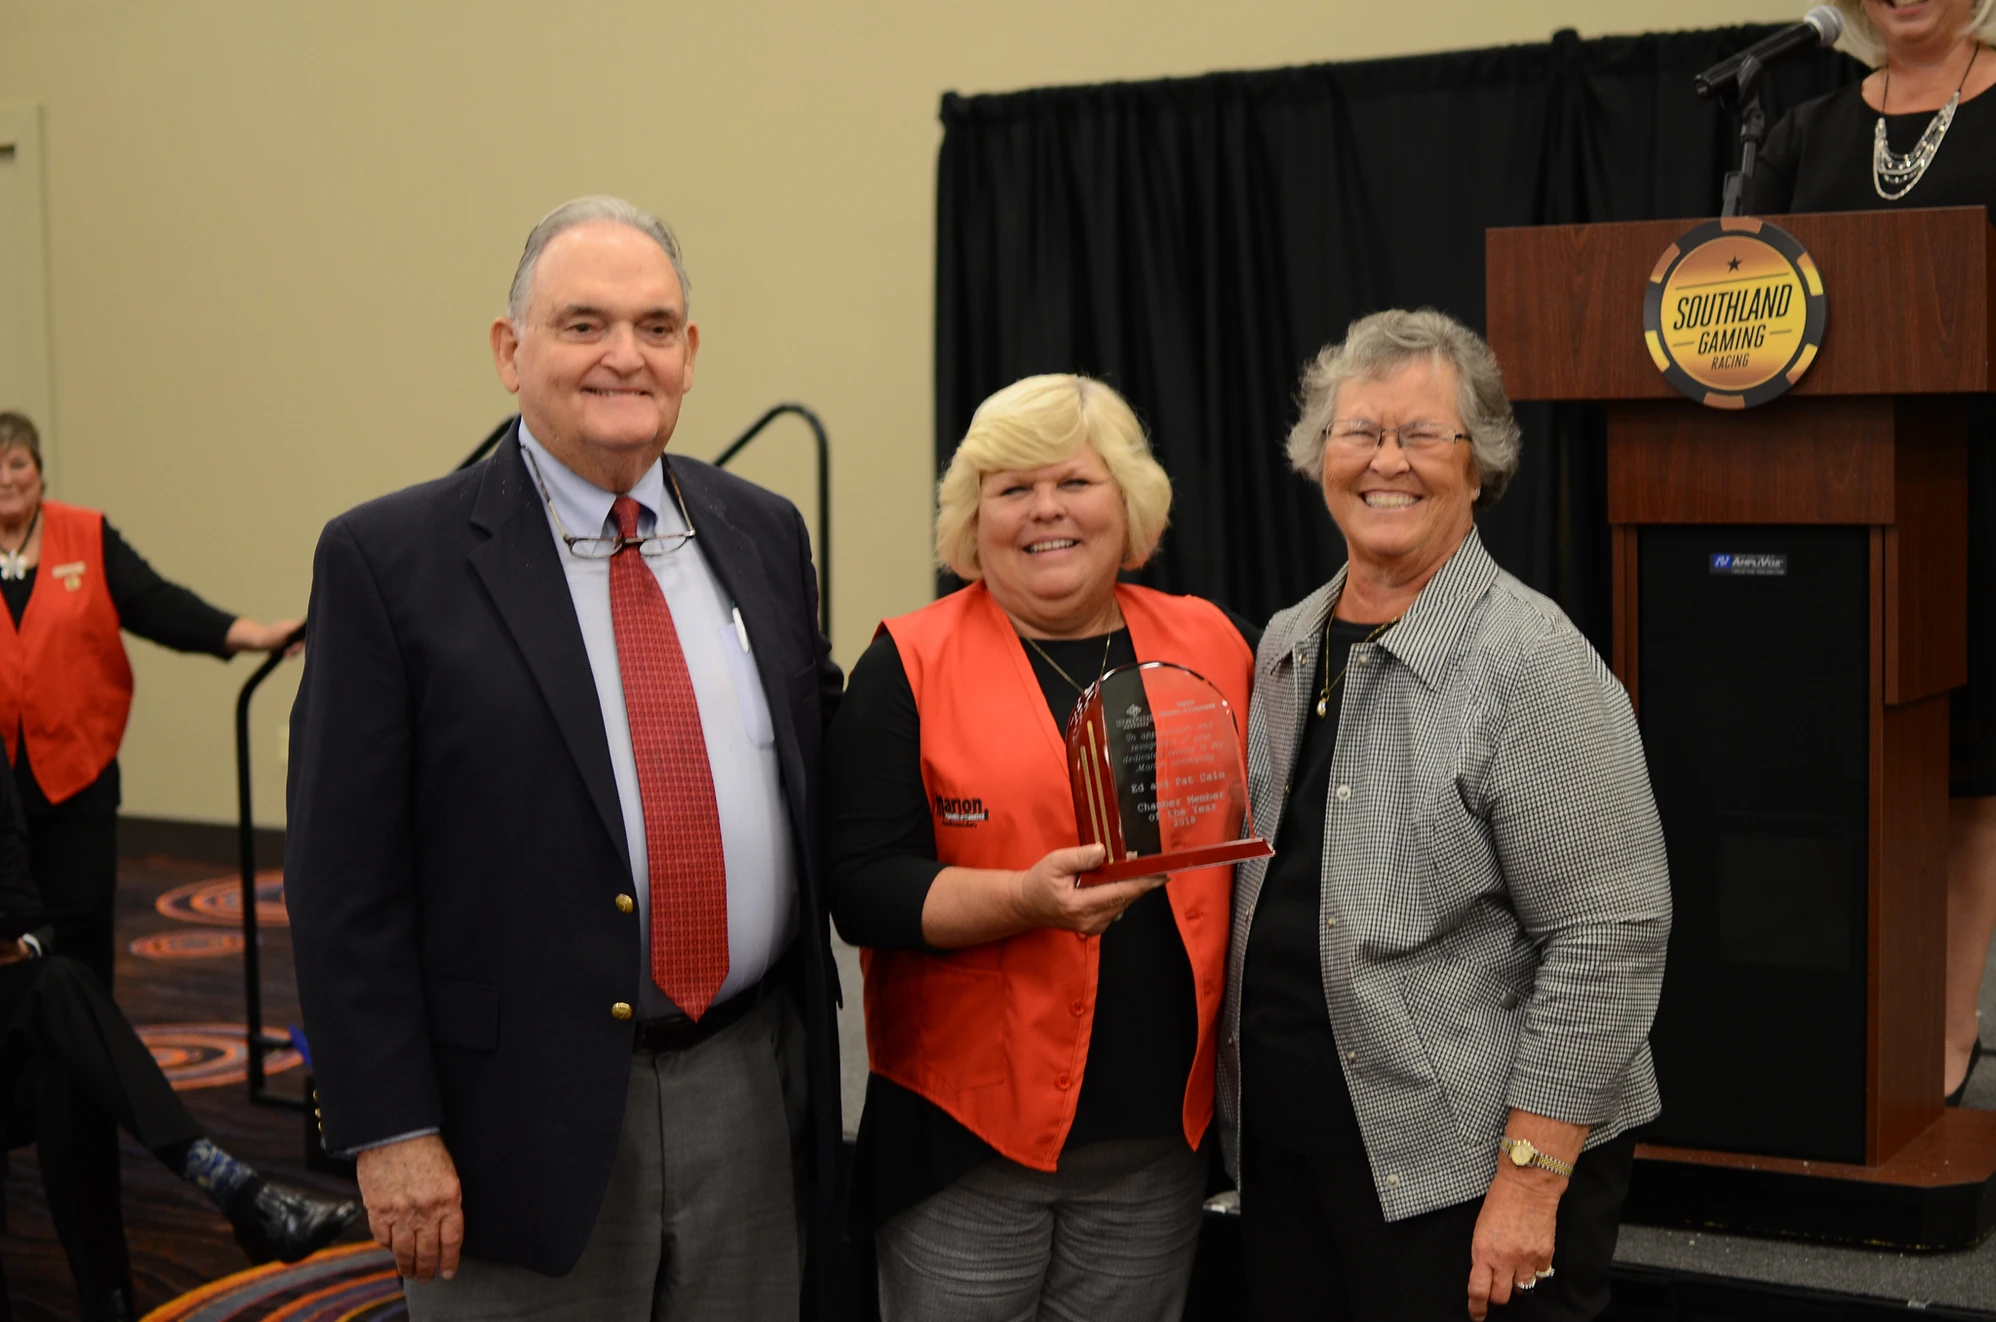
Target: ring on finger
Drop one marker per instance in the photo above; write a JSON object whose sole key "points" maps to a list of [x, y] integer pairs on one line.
{"points": [[1545, 1275], [1530, 1283]]}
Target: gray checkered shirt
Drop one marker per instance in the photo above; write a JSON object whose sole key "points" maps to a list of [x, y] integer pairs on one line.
{"points": [[1495, 900]]}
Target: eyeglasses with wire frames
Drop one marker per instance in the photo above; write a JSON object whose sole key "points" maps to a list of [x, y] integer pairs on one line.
{"points": [[1358, 436], [602, 548]]}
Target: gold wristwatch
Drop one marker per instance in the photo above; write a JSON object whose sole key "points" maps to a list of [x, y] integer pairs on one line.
{"points": [[1522, 1153]]}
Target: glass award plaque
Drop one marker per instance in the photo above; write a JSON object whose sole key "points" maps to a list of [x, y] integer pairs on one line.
{"points": [[1154, 752]]}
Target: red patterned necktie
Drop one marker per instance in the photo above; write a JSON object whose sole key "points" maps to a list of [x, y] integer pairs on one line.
{"points": [[689, 880]]}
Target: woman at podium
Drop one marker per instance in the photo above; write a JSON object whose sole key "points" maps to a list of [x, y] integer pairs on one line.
{"points": [[1041, 1054], [1920, 131], [1440, 989]]}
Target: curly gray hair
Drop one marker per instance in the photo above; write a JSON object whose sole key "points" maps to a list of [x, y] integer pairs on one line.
{"points": [[1376, 346]]}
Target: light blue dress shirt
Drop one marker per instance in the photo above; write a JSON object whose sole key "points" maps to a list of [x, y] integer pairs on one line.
{"points": [[756, 838]]}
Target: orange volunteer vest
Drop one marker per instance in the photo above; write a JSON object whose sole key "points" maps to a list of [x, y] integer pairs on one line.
{"points": [[65, 682], [997, 1035]]}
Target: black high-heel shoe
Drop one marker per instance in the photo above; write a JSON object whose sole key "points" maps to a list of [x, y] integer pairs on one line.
{"points": [[1974, 1059]]}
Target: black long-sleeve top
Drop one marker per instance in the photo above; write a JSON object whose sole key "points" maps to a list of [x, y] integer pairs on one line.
{"points": [[21, 911], [1288, 1046], [1818, 157], [148, 605], [881, 852]]}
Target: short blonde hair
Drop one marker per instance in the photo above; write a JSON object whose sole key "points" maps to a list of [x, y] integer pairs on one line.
{"points": [[1043, 420], [1861, 39]]}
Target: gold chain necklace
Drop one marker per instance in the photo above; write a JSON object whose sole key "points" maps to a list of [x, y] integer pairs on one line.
{"points": [[1062, 673], [1324, 695]]}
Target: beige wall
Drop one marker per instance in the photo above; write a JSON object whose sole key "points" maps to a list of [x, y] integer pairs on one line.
{"points": [[277, 233]]}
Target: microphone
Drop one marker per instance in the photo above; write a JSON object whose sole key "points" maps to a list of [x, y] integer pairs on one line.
{"points": [[1821, 26]]}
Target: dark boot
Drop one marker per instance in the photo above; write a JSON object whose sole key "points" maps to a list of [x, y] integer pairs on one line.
{"points": [[275, 1221]]}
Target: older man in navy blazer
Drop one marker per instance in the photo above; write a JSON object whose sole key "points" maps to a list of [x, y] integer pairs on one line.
{"points": [[553, 814]]}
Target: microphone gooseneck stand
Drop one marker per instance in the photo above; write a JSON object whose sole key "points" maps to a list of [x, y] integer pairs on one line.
{"points": [[1735, 83], [1744, 97]]}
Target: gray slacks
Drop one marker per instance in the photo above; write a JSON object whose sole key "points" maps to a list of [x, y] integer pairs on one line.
{"points": [[1109, 1237], [702, 1220]]}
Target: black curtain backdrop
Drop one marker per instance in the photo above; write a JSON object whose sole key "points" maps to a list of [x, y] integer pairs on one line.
{"points": [[1195, 241]]}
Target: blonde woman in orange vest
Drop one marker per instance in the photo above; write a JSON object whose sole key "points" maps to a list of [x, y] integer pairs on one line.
{"points": [[1041, 1056], [71, 584]]}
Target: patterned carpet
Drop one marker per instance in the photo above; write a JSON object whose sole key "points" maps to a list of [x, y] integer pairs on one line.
{"points": [[353, 1283], [179, 978], [208, 1055], [219, 902]]}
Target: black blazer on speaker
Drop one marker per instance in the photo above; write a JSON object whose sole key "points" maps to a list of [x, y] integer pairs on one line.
{"points": [[455, 845]]}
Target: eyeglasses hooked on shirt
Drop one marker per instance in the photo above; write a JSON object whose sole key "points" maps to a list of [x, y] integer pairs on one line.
{"points": [[602, 548]]}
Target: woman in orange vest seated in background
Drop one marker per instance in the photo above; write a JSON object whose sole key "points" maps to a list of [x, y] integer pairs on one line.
{"points": [[1041, 1055], [70, 584]]}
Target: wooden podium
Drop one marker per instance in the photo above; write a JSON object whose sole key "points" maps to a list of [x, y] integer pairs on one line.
{"points": [[1796, 723]]}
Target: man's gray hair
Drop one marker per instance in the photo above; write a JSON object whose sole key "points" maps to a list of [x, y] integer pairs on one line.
{"points": [[580, 212], [1380, 344]]}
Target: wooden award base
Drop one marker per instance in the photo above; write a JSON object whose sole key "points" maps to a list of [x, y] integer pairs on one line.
{"points": [[1183, 860]]}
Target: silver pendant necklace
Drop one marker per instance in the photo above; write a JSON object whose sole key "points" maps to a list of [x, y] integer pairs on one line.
{"points": [[1896, 173], [13, 568]]}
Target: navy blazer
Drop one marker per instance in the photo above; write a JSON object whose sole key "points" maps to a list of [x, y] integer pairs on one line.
{"points": [[455, 845]]}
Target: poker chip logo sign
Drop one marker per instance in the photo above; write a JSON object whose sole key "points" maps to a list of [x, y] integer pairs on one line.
{"points": [[1734, 312]]}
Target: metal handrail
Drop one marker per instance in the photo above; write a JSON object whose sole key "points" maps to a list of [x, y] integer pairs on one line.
{"points": [[246, 824], [488, 445], [246, 854], [824, 449]]}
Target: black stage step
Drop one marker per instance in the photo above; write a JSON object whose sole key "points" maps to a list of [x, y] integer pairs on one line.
{"points": [[1641, 1293], [1649, 1294]]}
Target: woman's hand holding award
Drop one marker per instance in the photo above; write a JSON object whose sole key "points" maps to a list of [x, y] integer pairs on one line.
{"points": [[1159, 780]]}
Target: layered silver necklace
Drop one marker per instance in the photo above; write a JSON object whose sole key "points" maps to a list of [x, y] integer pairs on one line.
{"points": [[13, 564], [1894, 175]]}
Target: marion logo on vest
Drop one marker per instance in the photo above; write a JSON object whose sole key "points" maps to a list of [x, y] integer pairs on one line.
{"points": [[960, 812]]}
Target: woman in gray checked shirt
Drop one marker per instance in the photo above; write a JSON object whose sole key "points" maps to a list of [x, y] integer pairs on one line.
{"points": [[1440, 989]]}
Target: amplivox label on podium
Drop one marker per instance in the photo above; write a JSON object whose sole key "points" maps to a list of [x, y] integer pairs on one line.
{"points": [[1750, 566], [1734, 312]]}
